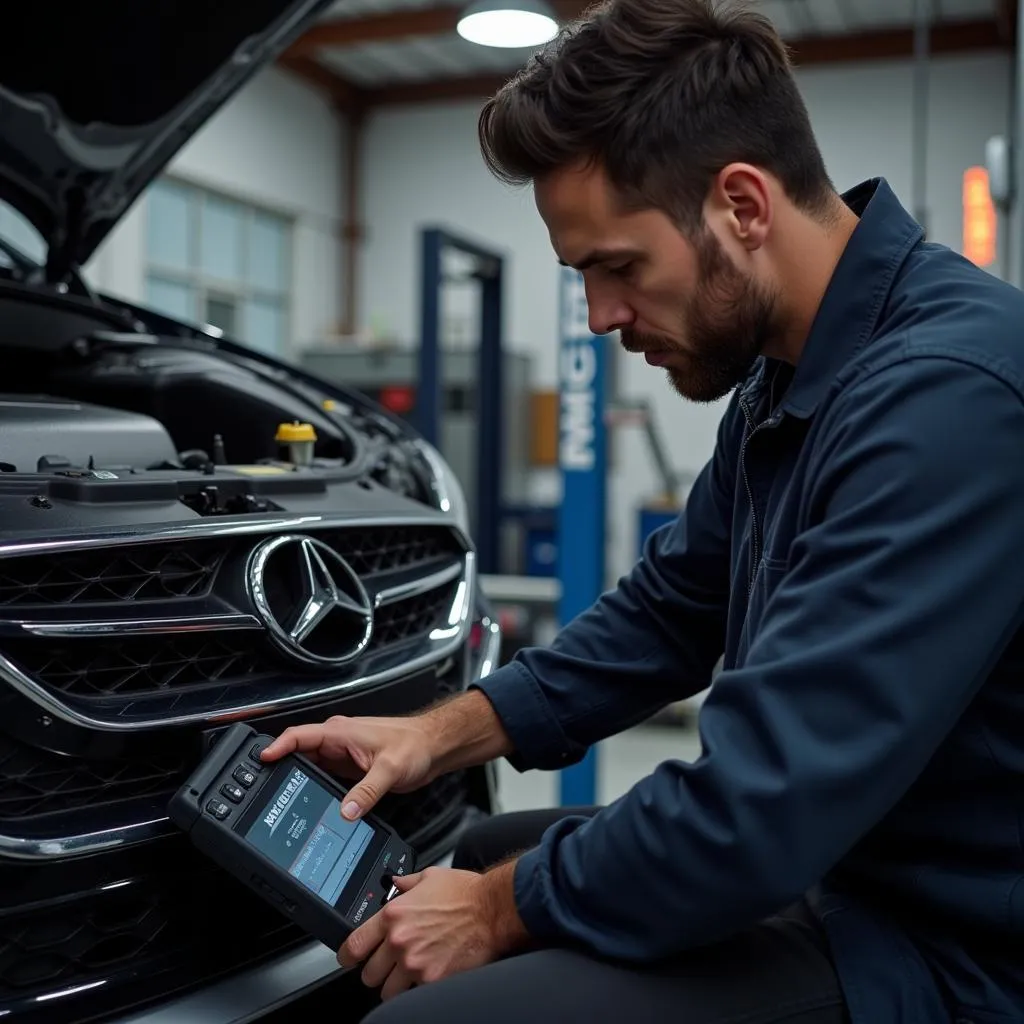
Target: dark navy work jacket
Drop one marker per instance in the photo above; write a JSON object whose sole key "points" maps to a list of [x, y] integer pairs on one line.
{"points": [[855, 547]]}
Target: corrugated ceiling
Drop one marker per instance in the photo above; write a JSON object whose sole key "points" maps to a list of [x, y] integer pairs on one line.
{"points": [[426, 58]]}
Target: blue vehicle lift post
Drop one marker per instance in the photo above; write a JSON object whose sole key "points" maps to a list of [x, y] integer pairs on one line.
{"points": [[490, 391], [582, 459]]}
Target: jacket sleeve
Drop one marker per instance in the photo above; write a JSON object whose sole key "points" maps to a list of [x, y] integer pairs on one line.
{"points": [[897, 600], [653, 639]]}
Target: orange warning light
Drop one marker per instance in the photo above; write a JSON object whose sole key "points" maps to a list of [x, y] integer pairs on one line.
{"points": [[979, 244]]}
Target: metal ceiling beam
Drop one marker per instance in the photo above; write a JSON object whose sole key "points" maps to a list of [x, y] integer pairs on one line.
{"points": [[436, 90], [887, 44], [961, 37]]}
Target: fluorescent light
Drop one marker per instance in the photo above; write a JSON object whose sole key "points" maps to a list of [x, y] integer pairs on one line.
{"points": [[511, 24]]}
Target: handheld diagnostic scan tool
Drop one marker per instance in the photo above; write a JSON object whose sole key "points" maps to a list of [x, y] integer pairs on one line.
{"points": [[278, 828]]}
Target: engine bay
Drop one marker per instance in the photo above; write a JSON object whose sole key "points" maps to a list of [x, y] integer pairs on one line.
{"points": [[114, 418]]}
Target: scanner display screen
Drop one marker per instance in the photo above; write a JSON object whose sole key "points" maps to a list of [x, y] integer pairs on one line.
{"points": [[301, 829]]}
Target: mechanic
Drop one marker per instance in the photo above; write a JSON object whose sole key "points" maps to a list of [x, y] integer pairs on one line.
{"points": [[848, 845]]}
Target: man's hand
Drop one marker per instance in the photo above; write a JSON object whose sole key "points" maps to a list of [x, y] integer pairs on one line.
{"points": [[384, 753], [443, 922], [398, 754]]}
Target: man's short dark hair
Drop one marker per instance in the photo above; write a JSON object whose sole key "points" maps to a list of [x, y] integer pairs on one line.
{"points": [[662, 94]]}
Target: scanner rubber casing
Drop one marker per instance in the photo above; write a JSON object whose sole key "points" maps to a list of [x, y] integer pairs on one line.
{"points": [[387, 856]]}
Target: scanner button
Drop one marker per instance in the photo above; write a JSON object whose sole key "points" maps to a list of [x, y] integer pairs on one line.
{"points": [[233, 793], [218, 809], [243, 776], [254, 756]]}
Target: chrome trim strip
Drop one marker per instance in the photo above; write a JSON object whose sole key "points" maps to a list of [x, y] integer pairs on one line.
{"points": [[445, 642], [422, 585], [130, 627], [229, 527], [22, 848]]}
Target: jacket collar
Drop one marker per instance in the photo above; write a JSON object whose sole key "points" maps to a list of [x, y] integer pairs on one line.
{"points": [[853, 301]]}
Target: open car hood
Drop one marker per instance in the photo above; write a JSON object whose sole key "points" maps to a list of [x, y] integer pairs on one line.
{"points": [[95, 99]]}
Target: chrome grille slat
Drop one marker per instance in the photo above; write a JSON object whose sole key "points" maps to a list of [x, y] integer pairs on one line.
{"points": [[128, 627]]}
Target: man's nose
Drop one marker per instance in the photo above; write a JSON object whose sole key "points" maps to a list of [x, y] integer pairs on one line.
{"points": [[608, 313]]}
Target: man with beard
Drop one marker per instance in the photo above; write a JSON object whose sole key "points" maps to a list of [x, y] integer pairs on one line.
{"points": [[848, 846]]}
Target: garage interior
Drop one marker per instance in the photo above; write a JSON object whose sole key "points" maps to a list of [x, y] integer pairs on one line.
{"points": [[335, 215], [364, 140]]}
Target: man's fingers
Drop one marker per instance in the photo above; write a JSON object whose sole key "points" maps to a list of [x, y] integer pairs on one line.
{"points": [[379, 967], [302, 739], [398, 981], [362, 942], [364, 795], [403, 883]]}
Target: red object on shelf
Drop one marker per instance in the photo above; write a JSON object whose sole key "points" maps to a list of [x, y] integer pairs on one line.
{"points": [[398, 398]]}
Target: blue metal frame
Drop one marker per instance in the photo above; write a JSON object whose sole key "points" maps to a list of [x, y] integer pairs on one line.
{"points": [[582, 455], [490, 388]]}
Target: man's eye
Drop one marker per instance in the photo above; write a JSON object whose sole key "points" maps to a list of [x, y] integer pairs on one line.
{"points": [[621, 269]]}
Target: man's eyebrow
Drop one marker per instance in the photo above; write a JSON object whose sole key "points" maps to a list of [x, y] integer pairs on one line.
{"points": [[600, 256]]}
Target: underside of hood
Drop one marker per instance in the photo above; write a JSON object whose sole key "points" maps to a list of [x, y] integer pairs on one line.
{"points": [[96, 99]]}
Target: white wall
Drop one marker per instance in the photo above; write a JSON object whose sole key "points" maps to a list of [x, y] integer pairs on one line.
{"points": [[422, 166], [277, 144]]}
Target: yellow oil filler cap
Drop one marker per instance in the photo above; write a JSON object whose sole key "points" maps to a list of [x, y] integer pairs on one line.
{"points": [[290, 433], [300, 439]]}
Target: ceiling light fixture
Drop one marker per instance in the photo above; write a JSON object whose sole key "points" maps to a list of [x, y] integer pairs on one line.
{"points": [[509, 24]]}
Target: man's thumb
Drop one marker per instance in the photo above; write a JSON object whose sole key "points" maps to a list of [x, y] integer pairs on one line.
{"points": [[364, 796]]}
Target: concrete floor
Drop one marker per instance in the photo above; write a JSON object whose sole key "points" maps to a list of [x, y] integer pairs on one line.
{"points": [[621, 761]]}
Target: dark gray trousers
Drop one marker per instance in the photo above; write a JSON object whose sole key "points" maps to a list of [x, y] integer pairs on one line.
{"points": [[776, 973]]}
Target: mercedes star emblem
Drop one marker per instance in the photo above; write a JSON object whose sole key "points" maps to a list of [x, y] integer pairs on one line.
{"points": [[310, 599]]}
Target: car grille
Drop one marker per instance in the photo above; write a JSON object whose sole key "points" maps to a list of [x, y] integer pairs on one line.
{"points": [[143, 665], [36, 782], [143, 573], [40, 788], [165, 570], [165, 583], [150, 925], [371, 550], [418, 817]]}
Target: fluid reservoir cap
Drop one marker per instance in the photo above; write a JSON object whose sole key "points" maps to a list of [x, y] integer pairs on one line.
{"points": [[291, 433]]}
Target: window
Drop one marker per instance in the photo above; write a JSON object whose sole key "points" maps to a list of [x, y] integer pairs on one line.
{"points": [[214, 260]]}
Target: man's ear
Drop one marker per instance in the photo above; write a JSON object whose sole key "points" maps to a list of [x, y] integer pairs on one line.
{"points": [[741, 204]]}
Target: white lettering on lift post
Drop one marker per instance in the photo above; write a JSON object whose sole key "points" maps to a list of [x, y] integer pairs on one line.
{"points": [[578, 372]]}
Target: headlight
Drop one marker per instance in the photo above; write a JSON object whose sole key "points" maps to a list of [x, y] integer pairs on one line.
{"points": [[444, 486]]}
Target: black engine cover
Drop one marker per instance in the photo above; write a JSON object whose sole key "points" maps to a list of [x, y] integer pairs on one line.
{"points": [[33, 428]]}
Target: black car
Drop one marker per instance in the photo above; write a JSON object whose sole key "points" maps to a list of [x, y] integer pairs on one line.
{"points": [[164, 523]]}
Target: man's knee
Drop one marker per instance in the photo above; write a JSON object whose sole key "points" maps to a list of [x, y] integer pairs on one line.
{"points": [[491, 841], [480, 845]]}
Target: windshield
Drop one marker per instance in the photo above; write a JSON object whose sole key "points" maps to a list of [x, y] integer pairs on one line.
{"points": [[20, 233]]}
